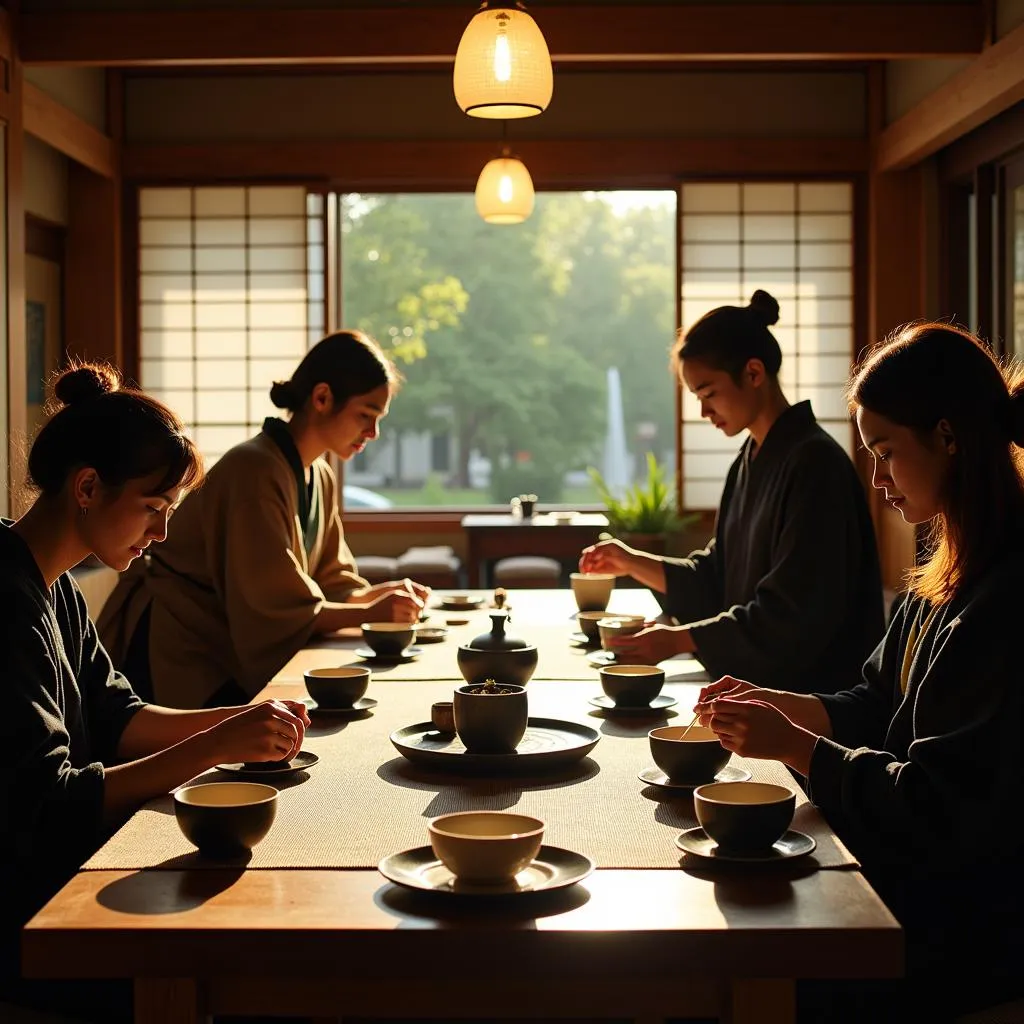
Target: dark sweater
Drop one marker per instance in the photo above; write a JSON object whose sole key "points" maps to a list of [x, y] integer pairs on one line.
{"points": [[788, 594], [64, 711], [926, 788]]}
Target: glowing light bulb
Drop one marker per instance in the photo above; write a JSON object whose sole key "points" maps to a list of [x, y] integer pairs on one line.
{"points": [[502, 58], [505, 190]]}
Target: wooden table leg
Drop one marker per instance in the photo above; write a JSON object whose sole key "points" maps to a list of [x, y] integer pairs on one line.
{"points": [[168, 1001], [761, 1001]]}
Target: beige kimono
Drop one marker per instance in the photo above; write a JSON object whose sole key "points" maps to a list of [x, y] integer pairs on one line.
{"points": [[233, 593]]}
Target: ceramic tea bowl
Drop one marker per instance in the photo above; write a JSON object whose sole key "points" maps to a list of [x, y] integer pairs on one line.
{"points": [[388, 639], [592, 590], [337, 687], [744, 817], [632, 686], [695, 758], [485, 847], [225, 819]]}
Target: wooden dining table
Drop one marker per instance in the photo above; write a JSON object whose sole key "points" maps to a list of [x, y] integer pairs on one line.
{"points": [[689, 939]]}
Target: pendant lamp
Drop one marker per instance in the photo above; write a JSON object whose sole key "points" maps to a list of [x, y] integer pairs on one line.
{"points": [[502, 66], [504, 191]]}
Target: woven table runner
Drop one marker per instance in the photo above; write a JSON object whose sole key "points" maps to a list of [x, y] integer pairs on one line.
{"points": [[557, 656], [364, 800]]}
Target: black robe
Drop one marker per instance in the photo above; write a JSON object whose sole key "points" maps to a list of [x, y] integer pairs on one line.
{"points": [[65, 709], [788, 594], [926, 787]]}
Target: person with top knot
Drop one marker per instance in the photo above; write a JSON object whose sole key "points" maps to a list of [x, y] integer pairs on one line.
{"points": [[82, 750], [788, 592]]}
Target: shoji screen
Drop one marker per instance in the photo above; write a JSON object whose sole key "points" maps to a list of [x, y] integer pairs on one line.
{"points": [[231, 297]]}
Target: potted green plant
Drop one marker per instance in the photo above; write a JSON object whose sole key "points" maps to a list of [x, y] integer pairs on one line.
{"points": [[646, 514]]}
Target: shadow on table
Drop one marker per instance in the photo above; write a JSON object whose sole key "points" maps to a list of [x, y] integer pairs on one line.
{"points": [[162, 891], [492, 793], [633, 727], [521, 910]]}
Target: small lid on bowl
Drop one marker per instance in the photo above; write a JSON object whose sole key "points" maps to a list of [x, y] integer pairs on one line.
{"points": [[497, 639]]}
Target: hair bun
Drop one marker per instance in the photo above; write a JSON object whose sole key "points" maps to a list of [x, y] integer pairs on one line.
{"points": [[85, 381], [284, 395], [764, 307]]}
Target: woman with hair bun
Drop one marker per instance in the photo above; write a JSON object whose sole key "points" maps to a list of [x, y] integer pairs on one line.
{"points": [[81, 749], [919, 767], [788, 592], [257, 564]]}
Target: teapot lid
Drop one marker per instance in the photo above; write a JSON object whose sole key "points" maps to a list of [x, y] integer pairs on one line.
{"points": [[497, 639]]}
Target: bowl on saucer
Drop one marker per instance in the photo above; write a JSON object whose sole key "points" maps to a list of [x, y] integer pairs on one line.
{"points": [[336, 689], [744, 817], [632, 686], [485, 847], [690, 754], [388, 639]]}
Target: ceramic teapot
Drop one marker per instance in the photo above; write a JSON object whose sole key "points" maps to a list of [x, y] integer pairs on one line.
{"points": [[498, 656]]}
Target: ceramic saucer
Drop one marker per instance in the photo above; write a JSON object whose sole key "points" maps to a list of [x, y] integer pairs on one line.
{"points": [[363, 704], [654, 776], [430, 634], [581, 639], [552, 868], [699, 843], [660, 703], [371, 655], [461, 606], [601, 658], [303, 759]]}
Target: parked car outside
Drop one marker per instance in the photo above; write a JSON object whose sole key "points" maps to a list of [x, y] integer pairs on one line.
{"points": [[362, 497]]}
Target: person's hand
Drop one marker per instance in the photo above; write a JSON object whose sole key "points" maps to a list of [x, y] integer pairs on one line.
{"points": [[752, 728], [419, 589], [652, 644], [272, 730], [610, 556], [399, 605]]}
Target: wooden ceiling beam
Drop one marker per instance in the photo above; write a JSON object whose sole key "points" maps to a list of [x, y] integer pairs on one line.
{"points": [[681, 33], [65, 131], [990, 84], [356, 165]]}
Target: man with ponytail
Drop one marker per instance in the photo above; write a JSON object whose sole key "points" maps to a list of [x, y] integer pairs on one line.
{"points": [[82, 750], [788, 592], [919, 767], [257, 564]]}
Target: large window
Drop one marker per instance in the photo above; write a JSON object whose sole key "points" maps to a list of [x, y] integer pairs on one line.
{"points": [[230, 297], [795, 241], [531, 352]]}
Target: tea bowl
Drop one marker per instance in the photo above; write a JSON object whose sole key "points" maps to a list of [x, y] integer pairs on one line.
{"points": [[632, 686], [744, 817], [388, 639], [225, 819], [612, 626], [490, 722], [337, 687], [486, 847], [695, 758], [592, 590], [588, 624]]}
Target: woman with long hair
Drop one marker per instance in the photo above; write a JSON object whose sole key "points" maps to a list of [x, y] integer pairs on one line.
{"points": [[83, 750], [257, 564], [918, 767], [755, 602]]}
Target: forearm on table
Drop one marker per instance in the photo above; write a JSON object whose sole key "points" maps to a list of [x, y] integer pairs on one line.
{"points": [[128, 786], [154, 728], [335, 615]]}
